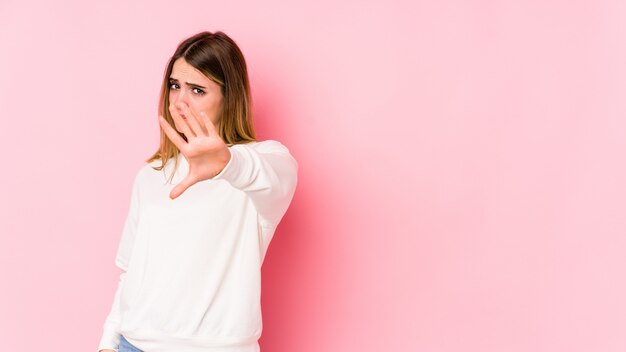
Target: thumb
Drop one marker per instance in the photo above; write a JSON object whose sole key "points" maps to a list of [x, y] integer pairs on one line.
{"points": [[181, 187]]}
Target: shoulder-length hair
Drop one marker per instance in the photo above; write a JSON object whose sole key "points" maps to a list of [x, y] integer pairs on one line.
{"points": [[219, 58]]}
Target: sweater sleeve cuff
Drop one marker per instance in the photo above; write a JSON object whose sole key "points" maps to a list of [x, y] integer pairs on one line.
{"points": [[110, 340], [229, 172]]}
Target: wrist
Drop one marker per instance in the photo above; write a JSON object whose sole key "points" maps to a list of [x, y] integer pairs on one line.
{"points": [[224, 160]]}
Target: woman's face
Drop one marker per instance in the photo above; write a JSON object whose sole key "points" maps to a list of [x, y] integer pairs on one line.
{"points": [[190, 86]]}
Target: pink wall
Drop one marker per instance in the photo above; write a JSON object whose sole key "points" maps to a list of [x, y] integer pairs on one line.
{"points": [[462, 175]]}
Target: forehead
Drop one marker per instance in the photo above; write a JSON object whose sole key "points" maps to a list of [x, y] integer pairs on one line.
{"points": [[183, 70]]}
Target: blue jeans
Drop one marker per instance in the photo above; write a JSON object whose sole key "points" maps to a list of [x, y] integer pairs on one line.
{"points": [[125, 346]]}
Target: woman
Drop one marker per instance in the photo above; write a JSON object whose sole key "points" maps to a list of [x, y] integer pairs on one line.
{"points": [[202, 213]]}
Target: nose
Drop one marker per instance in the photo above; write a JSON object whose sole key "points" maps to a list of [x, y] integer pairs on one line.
{"points": [[181, 100]]}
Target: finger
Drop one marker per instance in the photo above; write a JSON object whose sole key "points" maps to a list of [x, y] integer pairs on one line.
{"points": [[183, 124], [172, 134], [195, 131], [193, 120], [208, 124], [181, 187]]}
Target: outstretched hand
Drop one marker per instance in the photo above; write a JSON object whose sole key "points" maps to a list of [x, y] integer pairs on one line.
{"points": [[205, 151]]}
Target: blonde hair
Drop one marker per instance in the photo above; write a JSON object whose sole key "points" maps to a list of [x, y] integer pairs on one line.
{"points": [[219, 58]]}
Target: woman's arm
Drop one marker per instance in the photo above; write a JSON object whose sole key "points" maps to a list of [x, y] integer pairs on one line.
{"points": [[267, 172], [110, 336]]}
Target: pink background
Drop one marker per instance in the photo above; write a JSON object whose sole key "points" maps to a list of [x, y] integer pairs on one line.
{"points": [[462, 176]]}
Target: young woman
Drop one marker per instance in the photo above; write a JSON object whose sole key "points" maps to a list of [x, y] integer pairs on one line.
{"points": [[202, 212]]}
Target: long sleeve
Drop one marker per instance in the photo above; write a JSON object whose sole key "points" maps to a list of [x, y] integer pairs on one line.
{"points": [[127, 241], [267, 173], [111, 335]]}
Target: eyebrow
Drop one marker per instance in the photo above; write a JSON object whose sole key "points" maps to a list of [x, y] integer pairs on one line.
{"points": [[187, 83]]}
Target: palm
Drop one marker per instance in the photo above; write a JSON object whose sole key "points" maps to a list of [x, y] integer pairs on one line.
{"points": [[205, 151]]}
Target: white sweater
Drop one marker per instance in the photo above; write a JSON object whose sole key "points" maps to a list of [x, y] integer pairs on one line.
{"points": [[191, 266]]}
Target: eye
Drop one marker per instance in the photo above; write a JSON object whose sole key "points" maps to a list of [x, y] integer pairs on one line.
{"points": [[173, 85], [198, 91]]}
